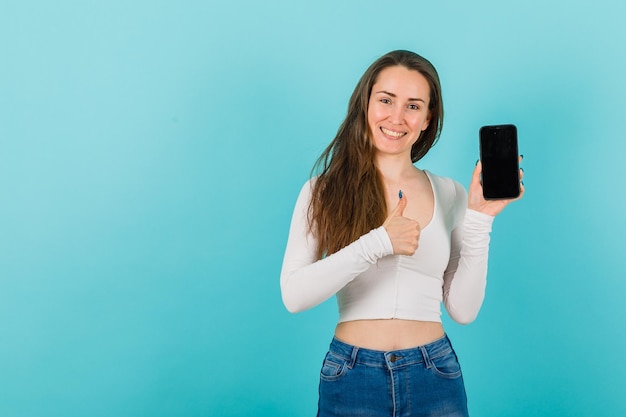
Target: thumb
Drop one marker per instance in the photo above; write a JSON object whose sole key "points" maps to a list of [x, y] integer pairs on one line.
{"points": [[476, 175], [399, 210]]}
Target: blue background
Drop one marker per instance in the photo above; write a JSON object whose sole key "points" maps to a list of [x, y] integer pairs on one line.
{"points": [[151, 153]]}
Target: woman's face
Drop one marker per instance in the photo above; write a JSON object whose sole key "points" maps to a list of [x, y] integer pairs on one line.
{"points": [[398, 110]]}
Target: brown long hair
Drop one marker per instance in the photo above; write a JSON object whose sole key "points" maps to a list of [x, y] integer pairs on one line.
{"points": [[348, 198]]}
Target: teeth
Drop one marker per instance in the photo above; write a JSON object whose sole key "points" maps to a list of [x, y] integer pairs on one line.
{"points": [[392, 133]]}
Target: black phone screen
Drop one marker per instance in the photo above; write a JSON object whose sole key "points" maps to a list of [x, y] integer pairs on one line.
{"points": [[500, 161]]}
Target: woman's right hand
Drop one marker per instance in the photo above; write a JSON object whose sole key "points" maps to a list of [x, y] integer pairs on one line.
{"points": [[403, 232]]}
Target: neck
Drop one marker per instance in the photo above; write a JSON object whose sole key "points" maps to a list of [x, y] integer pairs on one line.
{"points": [[395, 167]]}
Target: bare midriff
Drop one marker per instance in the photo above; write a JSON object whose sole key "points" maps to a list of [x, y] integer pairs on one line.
{"points": [[388, 334]]}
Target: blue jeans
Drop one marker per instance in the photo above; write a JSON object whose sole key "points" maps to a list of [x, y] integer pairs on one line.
{"points": [[422, 381]]}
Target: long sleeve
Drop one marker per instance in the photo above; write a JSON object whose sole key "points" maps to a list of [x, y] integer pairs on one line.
{"points": [[306, 282], [465, 278]]}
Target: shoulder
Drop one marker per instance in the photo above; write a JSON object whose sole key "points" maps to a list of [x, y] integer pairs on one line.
{"points": [[307, 188], [304, 197], [450, 194], [446, 187]]}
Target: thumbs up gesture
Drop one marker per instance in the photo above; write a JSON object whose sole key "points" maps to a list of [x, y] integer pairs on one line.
{"points": [[403, 232]]}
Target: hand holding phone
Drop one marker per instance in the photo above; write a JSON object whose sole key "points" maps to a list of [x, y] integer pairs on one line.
{"points": [[500, 162]]}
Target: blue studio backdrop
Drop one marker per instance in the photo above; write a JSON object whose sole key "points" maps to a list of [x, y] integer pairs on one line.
{"points": [[151, 153]]}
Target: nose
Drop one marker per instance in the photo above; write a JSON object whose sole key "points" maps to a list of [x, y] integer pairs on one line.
{"points": [[397, 114]]}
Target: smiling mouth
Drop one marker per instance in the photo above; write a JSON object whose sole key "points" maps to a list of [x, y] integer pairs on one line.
{"points": [[392, 133]]}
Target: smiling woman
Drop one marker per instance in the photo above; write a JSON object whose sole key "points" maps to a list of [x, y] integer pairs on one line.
{"points": [[398, 109], [392, 242]]}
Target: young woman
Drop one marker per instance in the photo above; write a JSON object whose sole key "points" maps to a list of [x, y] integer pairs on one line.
{"points": [[392, 242]]}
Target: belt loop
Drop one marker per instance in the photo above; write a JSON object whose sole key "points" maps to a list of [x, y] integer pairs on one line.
{"points": [[427, 360], [355, 350]]}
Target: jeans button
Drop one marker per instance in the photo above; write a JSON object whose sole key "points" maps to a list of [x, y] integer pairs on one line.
{"points": [[393, 358]]}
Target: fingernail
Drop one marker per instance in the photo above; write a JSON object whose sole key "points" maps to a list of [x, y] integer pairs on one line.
{"points": [[477, 162], [522, 156], [400, 194]]}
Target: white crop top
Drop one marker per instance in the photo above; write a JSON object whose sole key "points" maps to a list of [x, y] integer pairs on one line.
{"points": [[449, 266]]}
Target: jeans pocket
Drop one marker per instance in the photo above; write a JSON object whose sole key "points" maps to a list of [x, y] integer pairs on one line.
{"points": [[447, 365], [333, 367]]}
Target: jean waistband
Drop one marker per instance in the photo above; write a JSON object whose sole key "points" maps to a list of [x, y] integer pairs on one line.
{"points": [[394, 358]]}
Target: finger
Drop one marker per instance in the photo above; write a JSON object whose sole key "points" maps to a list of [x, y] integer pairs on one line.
{"points": [[399, 210], [477, 171]]}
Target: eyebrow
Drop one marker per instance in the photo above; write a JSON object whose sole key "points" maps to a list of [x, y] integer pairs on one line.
{"points": [[393, 95]]}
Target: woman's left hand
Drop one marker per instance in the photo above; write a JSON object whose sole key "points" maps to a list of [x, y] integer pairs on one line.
{"points": [[476, 201]]}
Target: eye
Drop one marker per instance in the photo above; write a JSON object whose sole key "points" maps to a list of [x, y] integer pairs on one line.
{"points": [[385, 101], [414, 107]]}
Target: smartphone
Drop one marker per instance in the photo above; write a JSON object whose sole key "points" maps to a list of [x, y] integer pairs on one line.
{"points": [[500, 159]]}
